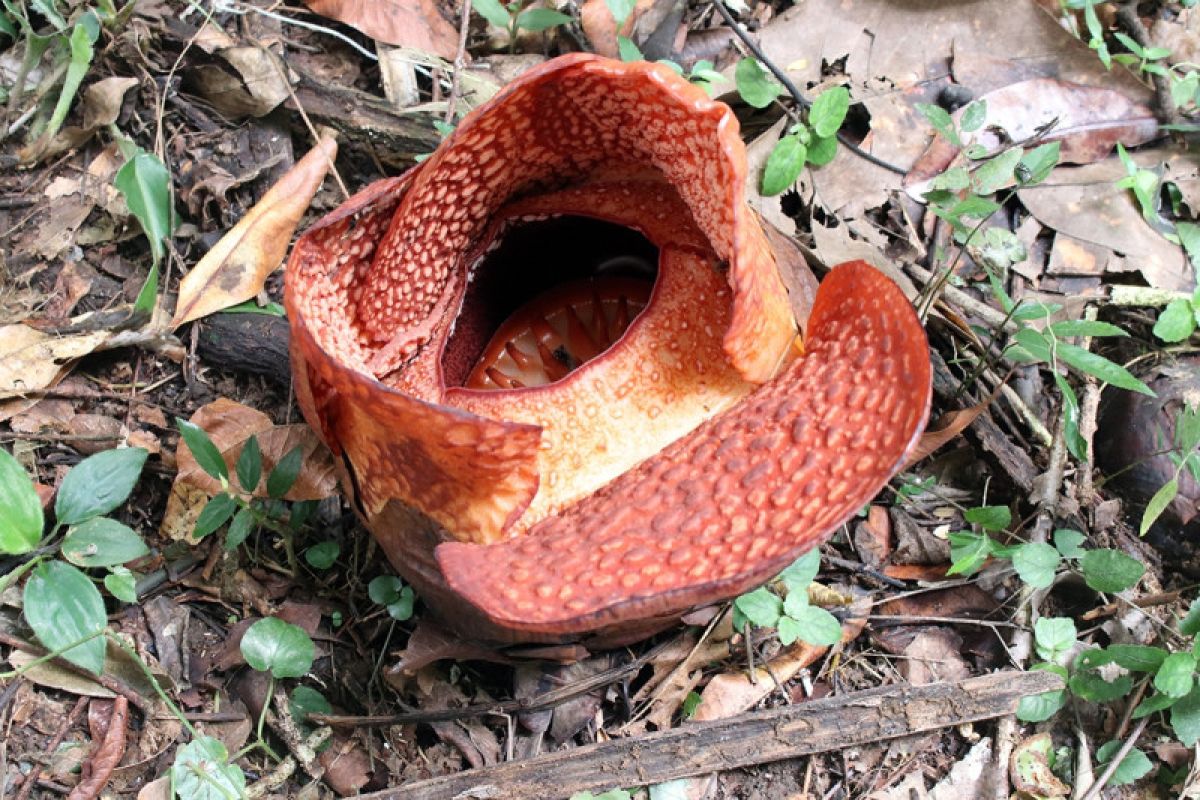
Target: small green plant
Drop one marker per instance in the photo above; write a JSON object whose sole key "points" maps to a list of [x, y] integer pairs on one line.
{"points": [[515, 17], [702, 73], [1038, 563], [391, 593], [1178, 320], [237, 505], [792, 616], [62, 604]]}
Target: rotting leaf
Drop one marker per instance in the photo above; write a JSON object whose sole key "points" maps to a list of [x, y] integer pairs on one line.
{"points": [[236, 268]]}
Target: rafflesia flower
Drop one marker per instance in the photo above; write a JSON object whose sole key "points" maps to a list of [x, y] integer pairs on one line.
{"points": [[560, 368]]}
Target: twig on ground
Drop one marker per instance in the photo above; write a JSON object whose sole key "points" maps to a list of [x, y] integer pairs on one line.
{"points": [[460, 63], [60, 734], [107, 681], [831, 723]]}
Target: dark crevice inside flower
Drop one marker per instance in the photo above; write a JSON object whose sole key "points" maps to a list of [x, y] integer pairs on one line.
{"points": [[548, 296]]}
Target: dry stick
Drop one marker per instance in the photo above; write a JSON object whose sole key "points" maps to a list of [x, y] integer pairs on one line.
{"points": [[1115, 761], [744, 740], [460, 63], [960, 298], [32, 777]]}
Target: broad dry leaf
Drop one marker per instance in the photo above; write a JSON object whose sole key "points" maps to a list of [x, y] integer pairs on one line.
{"points": [[403, 23], [230, 424], [236, 268], [31, 360], [598, 23]]}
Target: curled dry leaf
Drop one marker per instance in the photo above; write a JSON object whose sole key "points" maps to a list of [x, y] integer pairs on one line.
{"points": [[236, 268], [399, 22], [1086, 121], [601, 27], [101, 763]]}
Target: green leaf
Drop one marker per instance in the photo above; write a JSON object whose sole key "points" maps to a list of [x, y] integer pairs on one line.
{"points": [[1158, 504], [384, 589], [628, 50], [322, 555], [1085, 327], [1185, 718], [968, 552], [541, 19], [973, 116], [63, 606], [822, 150], [240, 528], [21, 519], [1190, 624], [203, 450], [690, 704], [1076, 444], [148, 294], [940, 119], [1069, 542], [990, 518], [828, 111], [285, 473], [402, 608], [1100, 367], [788, 629], [1038, 163], [621, 9], [1053, 636], [761, 607], [1092, 687], [1136, 657], [121, 584], [1133, 766], [954, 179], [102, 542], [1131, 45], [1041, 707], [1174, 676], [817, 626], [249, 465], [801, 572], [281, 648], [1036, 563], [202, 772], [216, 512], [81, 52], [493, 12], [1176, 323], [996, 173], [1153, 704], [784, 165], [305, 700], [1030, 311], [1189, 234], [98, 484], [146, 186], [755, 84], [1110, 570]]}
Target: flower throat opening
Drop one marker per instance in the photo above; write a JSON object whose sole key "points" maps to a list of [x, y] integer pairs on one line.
{"points": [[552, 295]]}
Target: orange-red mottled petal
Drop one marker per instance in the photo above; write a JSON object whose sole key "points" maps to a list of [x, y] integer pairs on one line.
{"points": [[733, 503]]}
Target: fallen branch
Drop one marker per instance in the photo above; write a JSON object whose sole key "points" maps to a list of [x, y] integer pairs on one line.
{"points": [[757, 738]]}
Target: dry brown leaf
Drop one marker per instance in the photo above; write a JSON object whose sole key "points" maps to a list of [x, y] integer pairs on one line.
{"points": [[236, 268], [601, 27], [1087, 122], [948, 426], [32, 360], [230, 424], [399, 22]]}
